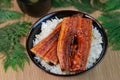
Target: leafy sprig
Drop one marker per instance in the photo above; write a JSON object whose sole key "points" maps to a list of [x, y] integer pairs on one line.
{"points": [[6, 15], [111, 22], [9, 45], [111, 5], [82, 5], [88, 6], [5, 3]]}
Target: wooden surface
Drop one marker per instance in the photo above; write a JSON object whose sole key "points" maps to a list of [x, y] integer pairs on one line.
{"points": [[108, 69]]}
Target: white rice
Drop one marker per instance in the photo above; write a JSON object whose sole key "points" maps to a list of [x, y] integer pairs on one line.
{"points": [[95, 51]]}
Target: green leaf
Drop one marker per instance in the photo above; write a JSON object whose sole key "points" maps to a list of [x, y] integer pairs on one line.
{"points": [[13, 64], [116, 47], [9, 45], [112, 5], [61, 3], [85, 6], [88, 5], [110, 19], [8, 15], [98, 5], [111, 22], [33, 1], [82, 5], [6, 64], [5, 3]]}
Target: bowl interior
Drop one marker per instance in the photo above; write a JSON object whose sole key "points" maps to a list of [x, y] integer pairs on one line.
{"points": [[36, 29]]}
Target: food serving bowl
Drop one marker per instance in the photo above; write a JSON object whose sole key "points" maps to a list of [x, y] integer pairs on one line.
{"points": [[36, 29]]}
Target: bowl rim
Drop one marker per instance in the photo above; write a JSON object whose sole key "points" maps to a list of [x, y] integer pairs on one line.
{"points": [[99, 59]]}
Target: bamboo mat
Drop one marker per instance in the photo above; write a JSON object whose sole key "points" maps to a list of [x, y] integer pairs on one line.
{"points": [[108, 69]]}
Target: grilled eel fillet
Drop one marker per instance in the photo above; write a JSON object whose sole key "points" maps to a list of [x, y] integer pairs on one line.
{"points": [[51, 55], [66, 36], [45, 49], [74, 43], [84, 32], [84, 40]]}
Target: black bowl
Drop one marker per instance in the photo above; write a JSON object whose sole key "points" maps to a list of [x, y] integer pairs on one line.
{"points": [[36, 29]]}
